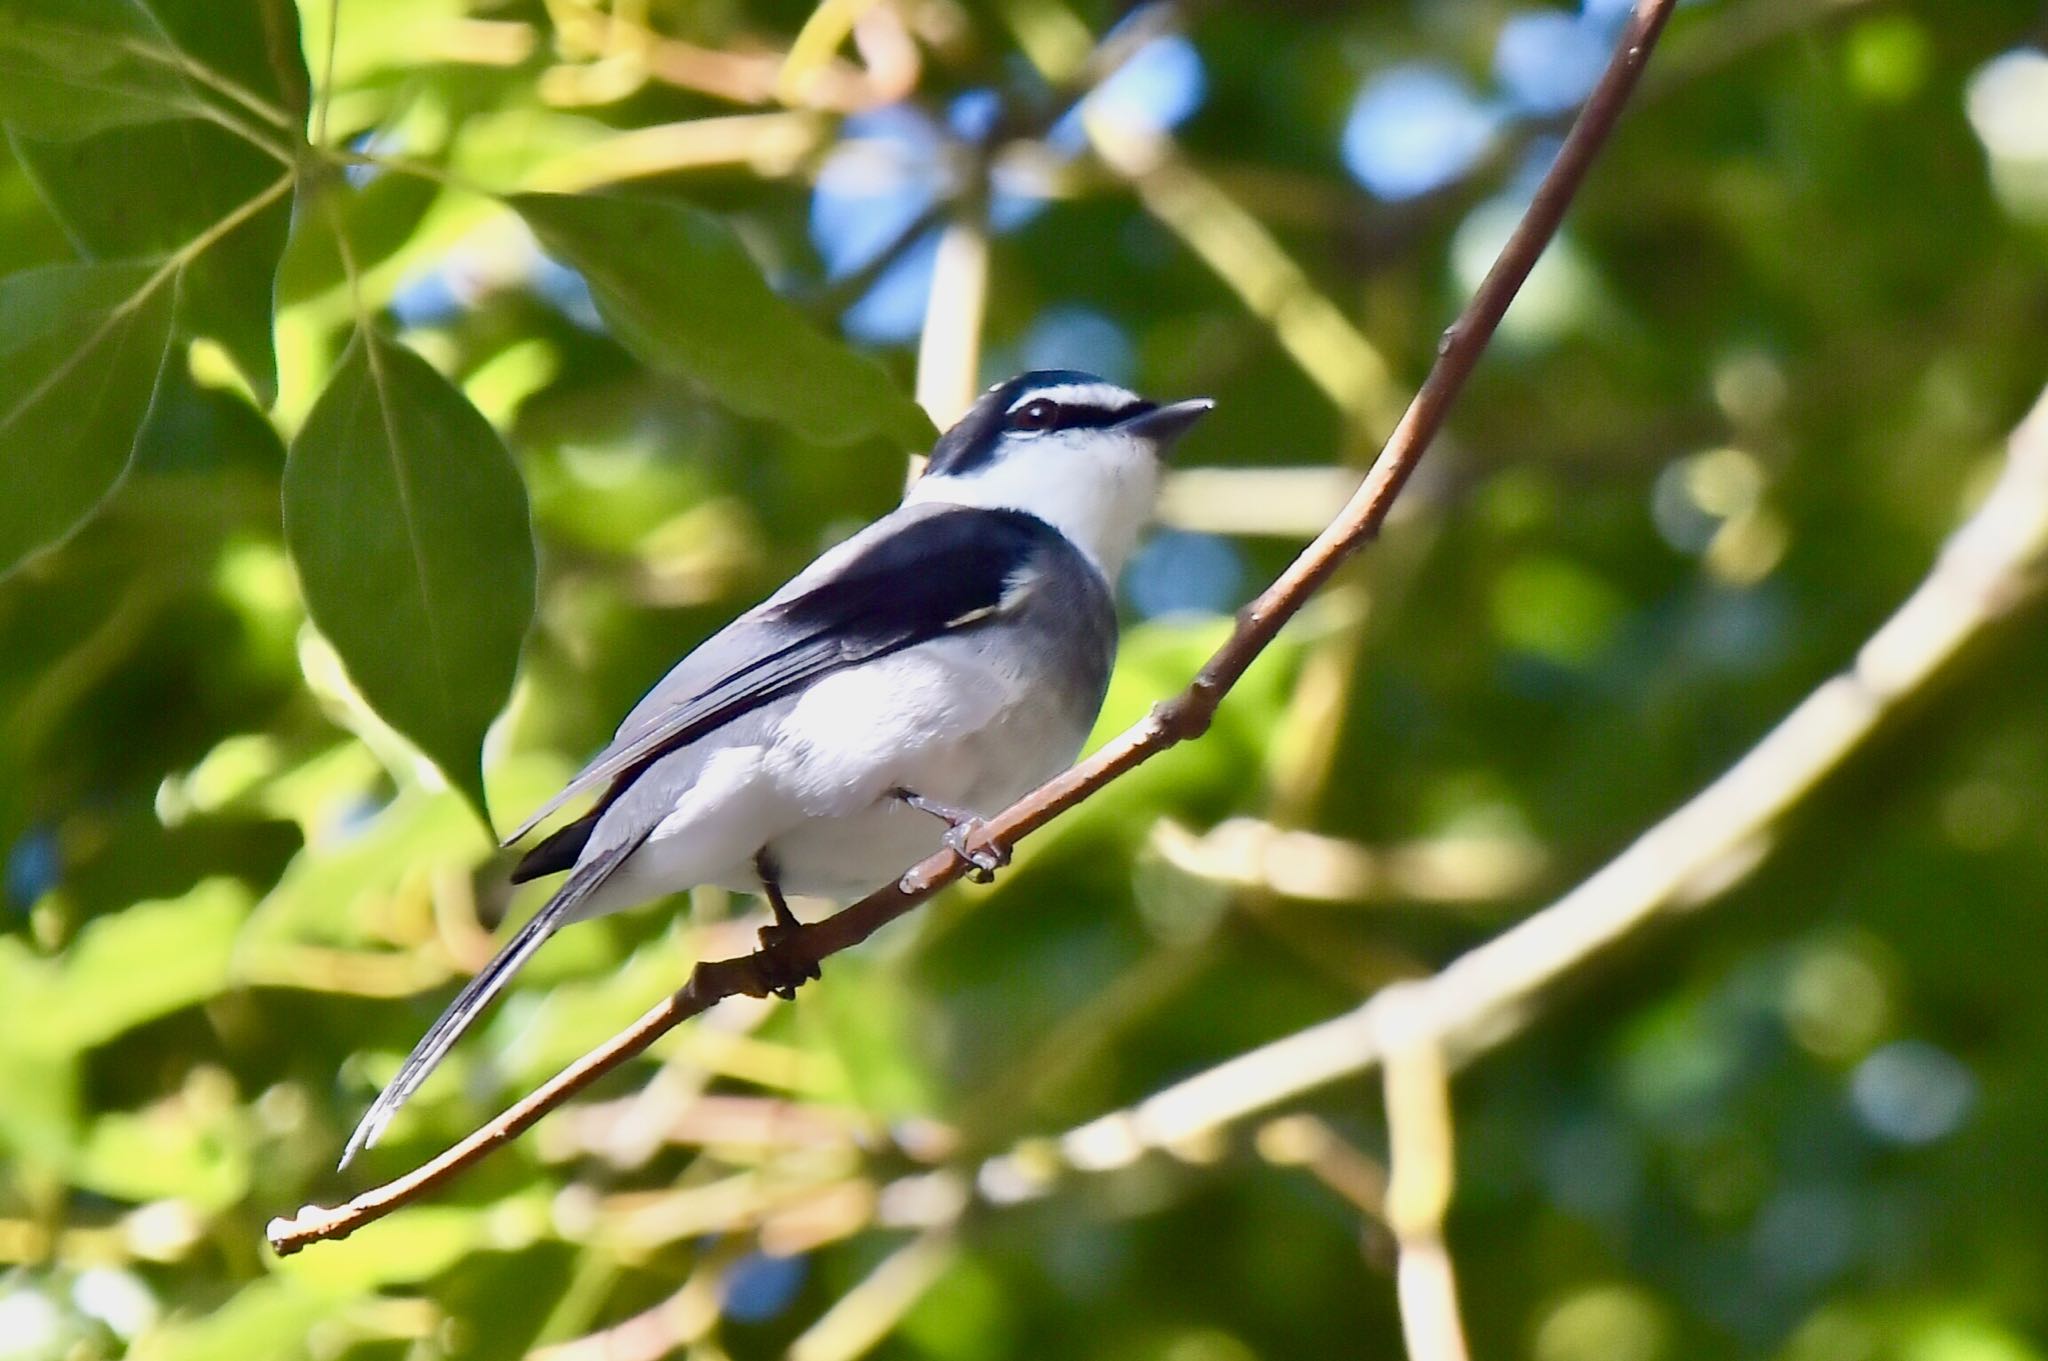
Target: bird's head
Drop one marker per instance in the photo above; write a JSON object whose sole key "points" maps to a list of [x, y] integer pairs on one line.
{"points": [[1075, 450]]}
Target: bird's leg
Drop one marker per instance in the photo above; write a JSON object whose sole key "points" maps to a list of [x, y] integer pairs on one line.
{"points": [[784, 967], [961, 828]]}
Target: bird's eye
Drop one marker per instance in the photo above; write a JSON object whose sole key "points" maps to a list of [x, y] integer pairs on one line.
{"points": [[1038, 415]]}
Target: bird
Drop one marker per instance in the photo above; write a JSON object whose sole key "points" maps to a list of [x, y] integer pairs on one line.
{"points": [[930, 669]]}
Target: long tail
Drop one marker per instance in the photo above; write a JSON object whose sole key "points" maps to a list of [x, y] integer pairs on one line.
{"points": [[478, 992]]}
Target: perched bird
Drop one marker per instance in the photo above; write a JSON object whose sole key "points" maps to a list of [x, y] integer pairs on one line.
{"points": [[936, 666]]}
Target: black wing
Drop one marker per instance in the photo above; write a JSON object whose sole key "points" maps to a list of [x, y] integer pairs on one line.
{"points": [[930, 570]]}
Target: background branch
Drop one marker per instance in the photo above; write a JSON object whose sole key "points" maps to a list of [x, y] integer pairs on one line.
{"points": [[1420, 1171], [949, 349], [1990, 564]]}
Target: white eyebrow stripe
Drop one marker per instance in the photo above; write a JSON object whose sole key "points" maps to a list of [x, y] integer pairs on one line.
{"points": [[1080, 394]]}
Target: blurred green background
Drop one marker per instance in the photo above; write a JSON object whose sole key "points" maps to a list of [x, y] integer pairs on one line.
{"points": [[1770, 363]]}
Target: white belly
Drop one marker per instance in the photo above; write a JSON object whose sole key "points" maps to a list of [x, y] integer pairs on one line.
{"points": [[810, 779]]}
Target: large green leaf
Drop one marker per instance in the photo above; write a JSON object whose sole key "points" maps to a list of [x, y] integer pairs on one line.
{"points": [[81, 347], [409, 526], [70, 68], [142, 188], [134, 192], [684, 295], [143, 962], [252, 45], [146, 961]]}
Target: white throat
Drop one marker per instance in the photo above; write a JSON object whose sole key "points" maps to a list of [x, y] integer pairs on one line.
{"points": [[1097, 491]]}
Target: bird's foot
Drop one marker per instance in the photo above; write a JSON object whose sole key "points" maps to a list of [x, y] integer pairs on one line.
{"points": [[983, 861], [962, 827], [785, 964]]}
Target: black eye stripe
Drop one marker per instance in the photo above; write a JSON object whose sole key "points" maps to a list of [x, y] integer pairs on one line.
{"points": [[1088, 416], [1085, 401]]}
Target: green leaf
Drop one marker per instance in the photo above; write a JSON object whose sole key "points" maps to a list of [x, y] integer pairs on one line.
{"points": [[143, 962], [125, 969], [135, 192], [252, 45], [378, 218], [270, 1316], [144, 186], [40, 1108], [408, 522], [70, 68], [416, 1246], [172, 1150], [684, 295], [81, 348]]}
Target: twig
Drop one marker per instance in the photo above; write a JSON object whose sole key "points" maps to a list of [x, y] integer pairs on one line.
{"points": [[771, 145], [1420, 1170], [684, 1317], [1176, 720], [949, 350], [1313, 331], [864, 1315], [1014, 123]]}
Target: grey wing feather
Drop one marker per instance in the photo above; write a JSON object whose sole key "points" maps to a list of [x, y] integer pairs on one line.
{"points": [[916, 572], [705, 690], [676, 698]]}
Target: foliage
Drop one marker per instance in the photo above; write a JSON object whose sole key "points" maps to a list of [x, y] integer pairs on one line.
{"points": [[384, 403]]}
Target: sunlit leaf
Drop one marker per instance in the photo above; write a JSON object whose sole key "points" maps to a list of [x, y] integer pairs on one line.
{"points": [[315, 899], [81, 347], [164, 1152], [380, 218], [408, 524], [267, 1317], [39, 1103], [684, 295], [143, 962], [415, 1246]]}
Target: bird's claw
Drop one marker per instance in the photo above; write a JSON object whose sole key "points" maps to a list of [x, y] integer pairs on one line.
{"points": [[785, 965], [984, 860]]}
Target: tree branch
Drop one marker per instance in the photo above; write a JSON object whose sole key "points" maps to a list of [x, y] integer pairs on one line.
{"points": [[1994, 560], [1176, 720]]}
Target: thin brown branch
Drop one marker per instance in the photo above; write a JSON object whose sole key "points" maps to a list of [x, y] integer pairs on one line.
{"points": [[1176, 720]]}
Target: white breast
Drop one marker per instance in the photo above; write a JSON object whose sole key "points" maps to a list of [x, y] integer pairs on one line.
{"points": [[809, 778]]}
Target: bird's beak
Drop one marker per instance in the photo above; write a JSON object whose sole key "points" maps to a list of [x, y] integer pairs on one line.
{"points": [[1165, 424]]}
